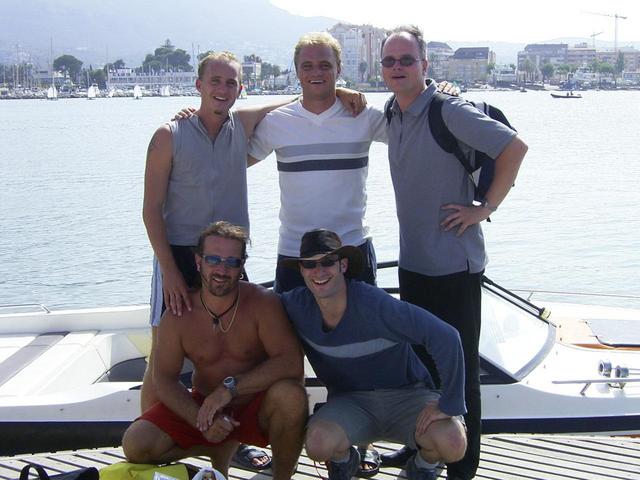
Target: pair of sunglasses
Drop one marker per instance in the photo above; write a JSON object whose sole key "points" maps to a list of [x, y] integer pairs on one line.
{"points": [[325, 262], [231, 262], [405, 61]]}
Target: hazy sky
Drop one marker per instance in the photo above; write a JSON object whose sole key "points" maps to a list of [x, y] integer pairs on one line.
{"points": [[507, 20]]}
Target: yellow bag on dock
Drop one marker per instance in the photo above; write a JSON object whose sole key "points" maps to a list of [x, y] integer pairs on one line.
{"points": [[141, 471]]}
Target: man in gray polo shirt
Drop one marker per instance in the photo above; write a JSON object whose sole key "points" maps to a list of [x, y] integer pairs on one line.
{"points": [[442, 253]]}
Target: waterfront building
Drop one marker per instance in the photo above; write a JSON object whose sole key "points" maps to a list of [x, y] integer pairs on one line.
{"points": [[251, 71], [581, 55], [534, 55], [439, 54], [361, 45], [470, 64], [127, 78], [630, 54], [43, 76]]}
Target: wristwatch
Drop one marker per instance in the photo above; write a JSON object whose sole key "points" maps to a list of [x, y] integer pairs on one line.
{"points": [[231, 385], [485, 204]]}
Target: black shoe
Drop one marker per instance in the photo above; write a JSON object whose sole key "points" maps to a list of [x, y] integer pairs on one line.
{"points": [[397, 459], [344, 471]]}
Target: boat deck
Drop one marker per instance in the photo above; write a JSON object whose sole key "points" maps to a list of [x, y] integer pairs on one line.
{"points": [[503, 457]]}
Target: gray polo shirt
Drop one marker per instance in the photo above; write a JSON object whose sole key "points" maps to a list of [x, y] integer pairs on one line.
{"points": [[208, 179], [425, 177]]}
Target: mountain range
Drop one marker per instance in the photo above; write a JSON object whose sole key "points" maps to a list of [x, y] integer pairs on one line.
{"points": [[97, 31]]}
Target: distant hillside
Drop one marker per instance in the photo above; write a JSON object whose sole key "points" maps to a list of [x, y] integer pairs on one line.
{"points": [[94, 30], [129, 29]]}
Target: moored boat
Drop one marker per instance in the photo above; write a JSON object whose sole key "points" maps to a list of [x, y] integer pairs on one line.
{"points": [[566, 95], [71, 379]]}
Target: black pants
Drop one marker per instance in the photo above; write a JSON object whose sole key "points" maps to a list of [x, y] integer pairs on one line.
{"points": [[290, 278], [456, 299]]}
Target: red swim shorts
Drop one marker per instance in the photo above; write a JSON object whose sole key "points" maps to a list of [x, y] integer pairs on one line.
{"points": [[187, 436]]}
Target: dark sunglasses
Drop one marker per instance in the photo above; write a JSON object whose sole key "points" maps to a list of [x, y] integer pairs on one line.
{"points": [[325, 262], [231, 262], [405, 61]]}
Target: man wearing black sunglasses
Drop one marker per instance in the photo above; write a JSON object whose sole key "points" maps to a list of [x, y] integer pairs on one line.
{"points": [[442, 252], [248, 368], [346, 327]]}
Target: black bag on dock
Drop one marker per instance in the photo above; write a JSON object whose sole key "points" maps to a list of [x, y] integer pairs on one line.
{"points": [[89, 473]]}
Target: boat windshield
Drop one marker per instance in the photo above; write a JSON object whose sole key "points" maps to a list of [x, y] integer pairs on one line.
{"points": [[510, 338]]}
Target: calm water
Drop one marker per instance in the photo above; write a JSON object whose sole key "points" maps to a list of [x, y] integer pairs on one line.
{"points": [[71, 233]]}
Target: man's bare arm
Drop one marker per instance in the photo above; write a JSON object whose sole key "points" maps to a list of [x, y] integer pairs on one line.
{"points": [[251, 161], [251, 116], [167, 365], [156, 182], [352, 100], [285, 357]]}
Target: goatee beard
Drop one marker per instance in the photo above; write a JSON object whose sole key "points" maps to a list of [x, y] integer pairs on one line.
{"points": [[220, 290]]}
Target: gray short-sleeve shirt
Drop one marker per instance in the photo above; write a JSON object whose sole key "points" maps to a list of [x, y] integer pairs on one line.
{"points": [[425, 178]]}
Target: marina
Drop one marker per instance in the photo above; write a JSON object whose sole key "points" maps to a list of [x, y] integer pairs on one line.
{"points": [[71, 210]]}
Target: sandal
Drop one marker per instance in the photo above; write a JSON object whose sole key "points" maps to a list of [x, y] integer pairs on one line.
{"points": [[245, 456], [369, 463]]}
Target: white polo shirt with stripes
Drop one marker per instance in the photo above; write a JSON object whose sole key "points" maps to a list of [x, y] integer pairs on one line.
{"points": [[322, 163]]}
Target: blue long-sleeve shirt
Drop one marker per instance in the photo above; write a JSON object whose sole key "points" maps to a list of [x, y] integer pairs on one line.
{"points": [[370, 348]]}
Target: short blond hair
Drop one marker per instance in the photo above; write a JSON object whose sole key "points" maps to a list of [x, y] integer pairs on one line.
{"points": [[226, 57], [318, 38]]}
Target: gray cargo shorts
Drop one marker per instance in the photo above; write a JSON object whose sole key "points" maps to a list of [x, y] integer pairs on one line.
{"points": [[373, 415]]}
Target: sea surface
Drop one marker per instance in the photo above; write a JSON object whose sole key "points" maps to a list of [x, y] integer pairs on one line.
{"points": [[71, 171]]}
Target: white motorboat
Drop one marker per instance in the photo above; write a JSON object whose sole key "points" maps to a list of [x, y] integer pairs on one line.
{"points": [[71, 379]]}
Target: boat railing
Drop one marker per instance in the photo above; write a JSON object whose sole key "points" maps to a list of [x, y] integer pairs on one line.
{"points": [[22, 307], [612, 382], [508, 295]]}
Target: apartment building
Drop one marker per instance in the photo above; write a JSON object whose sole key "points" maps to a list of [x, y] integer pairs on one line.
{"points": [[439, 54], [469, 64], [581, 55], [360, 50]]}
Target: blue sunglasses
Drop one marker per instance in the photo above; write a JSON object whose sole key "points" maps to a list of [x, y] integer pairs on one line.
{"points": [[231, 262]]}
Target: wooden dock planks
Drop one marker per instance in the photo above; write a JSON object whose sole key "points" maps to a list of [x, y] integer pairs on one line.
{"points": [[504, 457]]}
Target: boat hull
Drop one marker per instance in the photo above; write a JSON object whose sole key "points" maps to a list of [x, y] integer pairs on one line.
{"points": [[83, 389]]}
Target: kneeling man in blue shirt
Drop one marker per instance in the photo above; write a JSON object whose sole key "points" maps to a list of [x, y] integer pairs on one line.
{"points": [[358, 340]]}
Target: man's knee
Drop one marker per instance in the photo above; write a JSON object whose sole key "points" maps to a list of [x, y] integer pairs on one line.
{"points": [[287, 398], [454, 445], [142, 442], [448, 438], [324, 439]]}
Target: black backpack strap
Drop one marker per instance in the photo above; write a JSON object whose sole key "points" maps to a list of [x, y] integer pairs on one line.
{"points": [[387, 108], [42, 474], [496, 114], [442, 135]]}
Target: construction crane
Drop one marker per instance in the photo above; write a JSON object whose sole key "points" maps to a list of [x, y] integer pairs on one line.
{"points": [[616, 17], [593, 37]]}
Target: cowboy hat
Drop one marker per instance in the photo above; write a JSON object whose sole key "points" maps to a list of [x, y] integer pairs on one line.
{"points": [[319, 243]]}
